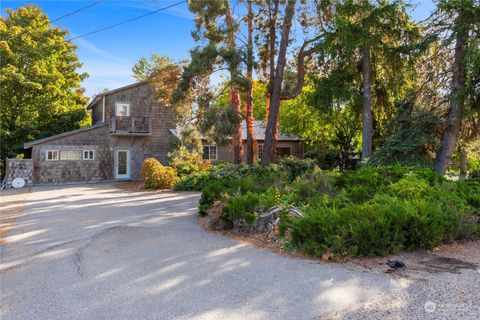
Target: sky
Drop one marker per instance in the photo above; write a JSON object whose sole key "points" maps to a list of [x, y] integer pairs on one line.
{"points": [[108, 56]]}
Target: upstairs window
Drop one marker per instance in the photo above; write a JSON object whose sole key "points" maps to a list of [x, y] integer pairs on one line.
{"points": [[52, 155], [122, 109], [209, 153], [88, 155]]}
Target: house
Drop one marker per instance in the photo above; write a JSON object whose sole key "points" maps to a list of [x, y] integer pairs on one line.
{"points": [[288, 145], [128, 126]]}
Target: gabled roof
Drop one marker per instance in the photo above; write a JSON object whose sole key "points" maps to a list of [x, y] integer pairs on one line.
{"points": [[259, 128], [61, 135], [106, 93]]}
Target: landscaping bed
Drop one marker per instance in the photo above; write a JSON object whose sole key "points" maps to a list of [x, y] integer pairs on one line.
{"points": [[373, 211]]}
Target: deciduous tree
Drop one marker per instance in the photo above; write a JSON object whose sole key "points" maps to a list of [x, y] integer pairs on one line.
{"points": [[40, 85]]}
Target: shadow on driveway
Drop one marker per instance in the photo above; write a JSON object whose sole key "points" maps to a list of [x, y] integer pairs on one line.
{"points": [[96, 252]]}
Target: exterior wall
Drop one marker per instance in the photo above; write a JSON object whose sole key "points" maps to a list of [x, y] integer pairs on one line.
{"points": [[142, 104], [74, 171], [296, 147], [97, 113], [225, 153], [102, 168], [19, 168]]}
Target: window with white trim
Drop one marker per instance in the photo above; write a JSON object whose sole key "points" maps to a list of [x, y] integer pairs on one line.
{"points": [[51, 155], [209, 153], [122, 109], [71, 155], [88, 155], [260, 151]]}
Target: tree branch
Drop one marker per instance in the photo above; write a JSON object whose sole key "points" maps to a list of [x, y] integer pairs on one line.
{"points": [[300, 69]]}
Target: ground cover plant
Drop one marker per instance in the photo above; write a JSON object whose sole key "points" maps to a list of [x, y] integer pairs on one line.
{"points": [[371, 211], [380, 210]]}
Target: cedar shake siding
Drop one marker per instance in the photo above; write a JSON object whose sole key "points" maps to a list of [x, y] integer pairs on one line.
{"points": [[97, 113], [74, 171], [150, 138]]}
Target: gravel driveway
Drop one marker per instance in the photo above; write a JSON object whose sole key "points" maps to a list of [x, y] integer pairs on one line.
{"points": [[97, 252]]}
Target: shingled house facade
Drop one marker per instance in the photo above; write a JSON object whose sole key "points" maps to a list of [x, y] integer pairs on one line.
{"points": [[128, 126]]}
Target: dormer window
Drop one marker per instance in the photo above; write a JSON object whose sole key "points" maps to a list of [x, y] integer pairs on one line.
{"points": [[122, 109]]}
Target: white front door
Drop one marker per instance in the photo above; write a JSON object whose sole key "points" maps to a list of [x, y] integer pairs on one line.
{"points": [[122, 166]]}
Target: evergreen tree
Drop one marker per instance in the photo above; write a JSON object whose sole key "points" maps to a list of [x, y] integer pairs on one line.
{"points": [[461, 37], [367, 55]]}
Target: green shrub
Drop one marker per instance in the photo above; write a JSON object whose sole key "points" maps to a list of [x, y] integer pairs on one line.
{"points": [[361, 185], [222, 171], [296, 167], [285, 224], [313, 184], [247, 206], [379, 210], [217, 189], [469, 189], [380, 227], [187, 162], [226, 172], [194, 182], [156, 176], [211, 192]]}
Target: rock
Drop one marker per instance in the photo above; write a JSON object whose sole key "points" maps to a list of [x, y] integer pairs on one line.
{"points": [[395, 264]]}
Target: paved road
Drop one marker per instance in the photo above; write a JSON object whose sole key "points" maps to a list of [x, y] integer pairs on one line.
{"points": [[96, 252]]}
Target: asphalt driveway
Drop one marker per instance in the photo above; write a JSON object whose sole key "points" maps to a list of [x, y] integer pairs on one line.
{"points": [[96, 252]]}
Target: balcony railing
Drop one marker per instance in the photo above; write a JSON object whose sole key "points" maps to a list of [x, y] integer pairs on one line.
{"points": [[139, 126]]}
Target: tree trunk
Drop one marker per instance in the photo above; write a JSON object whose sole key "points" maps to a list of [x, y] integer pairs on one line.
{"points": [[251, 143], [367, 120], [463, 161], [275, 99], [235, 101], [237, 142], [450, 135]]}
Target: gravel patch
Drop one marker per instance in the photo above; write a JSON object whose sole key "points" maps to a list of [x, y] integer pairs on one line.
{"points": [[442, 284]]}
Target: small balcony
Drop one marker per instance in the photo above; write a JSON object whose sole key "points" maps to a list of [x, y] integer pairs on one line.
{"points": [[131, 126]]}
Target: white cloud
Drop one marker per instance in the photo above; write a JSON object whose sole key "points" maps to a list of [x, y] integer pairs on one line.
{"points": [[177, 11], [84, 44]]}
